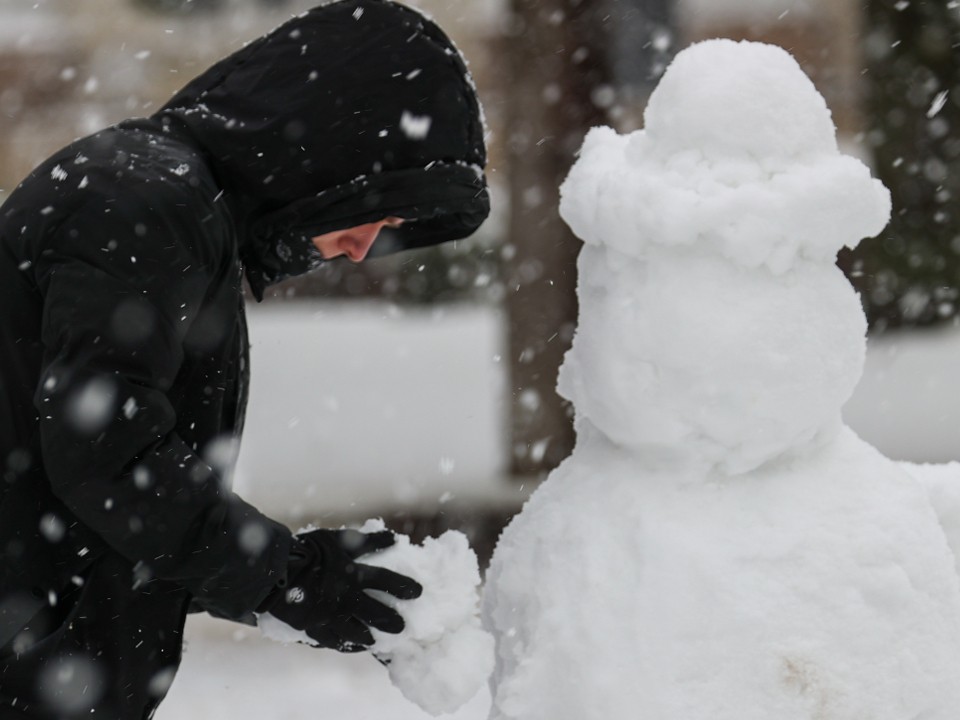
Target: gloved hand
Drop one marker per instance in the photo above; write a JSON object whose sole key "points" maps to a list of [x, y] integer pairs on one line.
{"points": [[323, 594]]}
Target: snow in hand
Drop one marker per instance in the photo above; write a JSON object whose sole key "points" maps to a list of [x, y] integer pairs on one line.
{"points": [[443, 657], [719, 546]]}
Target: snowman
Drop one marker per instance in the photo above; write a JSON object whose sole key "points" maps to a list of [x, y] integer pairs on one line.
{"points": [[719, 546]]}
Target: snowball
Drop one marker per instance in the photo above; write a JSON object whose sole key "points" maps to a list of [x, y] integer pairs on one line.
{"points": [[443, 656], [738, 158]]}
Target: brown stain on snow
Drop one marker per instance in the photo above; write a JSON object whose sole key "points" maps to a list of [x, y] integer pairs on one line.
{"points": [[803, 678]]}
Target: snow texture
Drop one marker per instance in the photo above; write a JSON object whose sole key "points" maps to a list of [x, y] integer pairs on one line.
{"points": [[290, 682], [738, 158], [719, 546], [942, 483], [737, 170], [443, 656]]}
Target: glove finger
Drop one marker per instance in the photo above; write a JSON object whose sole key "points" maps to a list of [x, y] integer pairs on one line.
{"points": [[354, 635], [356, 543], [377, 615], [400, 586], [323, 636]]}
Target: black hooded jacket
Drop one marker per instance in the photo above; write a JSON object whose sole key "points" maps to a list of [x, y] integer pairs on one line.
{"points": [[123, 350]]}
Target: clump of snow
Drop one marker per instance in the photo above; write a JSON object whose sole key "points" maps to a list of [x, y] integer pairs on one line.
{"points": [[443, 657], [737, 171], [738, 157]]}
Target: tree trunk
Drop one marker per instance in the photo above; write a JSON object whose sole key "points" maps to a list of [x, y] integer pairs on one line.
{"points": [[567, 74], [910, 274]]}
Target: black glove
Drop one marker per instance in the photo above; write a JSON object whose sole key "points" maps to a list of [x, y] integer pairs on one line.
{"points": [[324, 592]]}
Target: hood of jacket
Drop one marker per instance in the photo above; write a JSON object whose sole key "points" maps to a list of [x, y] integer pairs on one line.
{"points": [[351, 112]]}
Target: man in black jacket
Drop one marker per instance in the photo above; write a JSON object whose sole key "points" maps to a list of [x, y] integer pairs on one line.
{"points": [[123, 346]]}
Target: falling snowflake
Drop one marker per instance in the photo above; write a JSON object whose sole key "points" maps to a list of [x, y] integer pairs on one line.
{"points": [[415, 127], [938, 102]]}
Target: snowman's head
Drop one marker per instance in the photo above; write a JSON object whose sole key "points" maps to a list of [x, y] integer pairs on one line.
{"points": [[738, 157], [739, 100], [688, 355]]}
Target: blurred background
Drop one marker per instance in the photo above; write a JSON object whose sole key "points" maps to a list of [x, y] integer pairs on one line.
{"points": [[420, 387]]}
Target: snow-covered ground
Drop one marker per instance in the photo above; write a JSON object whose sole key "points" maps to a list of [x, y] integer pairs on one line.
{"points": [[230, 673], [412, 388], [908, 401]]}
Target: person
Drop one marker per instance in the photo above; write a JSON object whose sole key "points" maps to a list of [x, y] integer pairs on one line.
{"points": [[353, 128]]}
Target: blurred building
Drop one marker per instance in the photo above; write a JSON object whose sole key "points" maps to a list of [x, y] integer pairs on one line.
{"points": [[70, 68]]}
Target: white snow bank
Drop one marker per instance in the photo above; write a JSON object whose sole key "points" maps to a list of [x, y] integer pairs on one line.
{"points": [[360, 407], [229, 672], [906, 404]]}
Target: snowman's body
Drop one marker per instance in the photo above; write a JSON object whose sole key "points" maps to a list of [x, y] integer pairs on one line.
{"points": [[719, 546]]}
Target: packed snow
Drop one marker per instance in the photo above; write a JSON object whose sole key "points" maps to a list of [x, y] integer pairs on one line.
{"points": [[719, 545], [443, 657], [738, 170]]}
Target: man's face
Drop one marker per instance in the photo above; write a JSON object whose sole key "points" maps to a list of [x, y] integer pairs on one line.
{"points": [[353, 242]]}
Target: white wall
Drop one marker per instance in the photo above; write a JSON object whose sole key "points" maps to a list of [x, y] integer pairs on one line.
{"points": [[365, 406]]}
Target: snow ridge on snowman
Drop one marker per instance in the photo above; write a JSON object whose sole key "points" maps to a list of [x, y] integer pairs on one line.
{"points": [[719, 545]]}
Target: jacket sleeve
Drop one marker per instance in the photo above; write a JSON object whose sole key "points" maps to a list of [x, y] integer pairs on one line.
{"points": [[120, 290]]}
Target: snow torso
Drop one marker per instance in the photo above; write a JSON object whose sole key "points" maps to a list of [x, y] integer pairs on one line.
{"points": [[819, 587]]}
